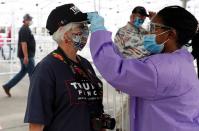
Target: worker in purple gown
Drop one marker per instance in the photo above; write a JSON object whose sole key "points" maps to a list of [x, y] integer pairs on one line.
{"points": [[163, 87]]}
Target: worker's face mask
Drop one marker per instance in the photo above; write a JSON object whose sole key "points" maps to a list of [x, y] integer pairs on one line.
{"points": [[80, 40], [138, 22], [151, 45]]}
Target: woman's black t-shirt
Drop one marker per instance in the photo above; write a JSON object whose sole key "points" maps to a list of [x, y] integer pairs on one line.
{"points": [[58, 100]]}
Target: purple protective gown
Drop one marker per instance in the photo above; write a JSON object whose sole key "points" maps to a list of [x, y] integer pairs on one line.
{"points": [[164, 88]]}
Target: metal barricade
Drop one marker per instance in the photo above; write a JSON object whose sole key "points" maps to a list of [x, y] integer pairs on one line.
{"points": [[116, 104], [8, 53]]}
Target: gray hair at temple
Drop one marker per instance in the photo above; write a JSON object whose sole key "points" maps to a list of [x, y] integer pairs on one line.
{"points": [[58, 36]]}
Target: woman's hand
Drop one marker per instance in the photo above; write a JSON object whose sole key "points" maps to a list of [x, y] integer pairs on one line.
{"points": [[36, 127]]}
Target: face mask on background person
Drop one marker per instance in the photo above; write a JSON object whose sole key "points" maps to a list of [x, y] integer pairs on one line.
{"points": [[138, 22], [30, 23], [80, 40], [151, 45]]}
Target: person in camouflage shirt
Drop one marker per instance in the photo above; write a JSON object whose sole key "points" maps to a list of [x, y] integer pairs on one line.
{"points": [[129, 39]]}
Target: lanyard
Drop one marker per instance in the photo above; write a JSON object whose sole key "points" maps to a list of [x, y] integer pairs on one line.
{"points": [[77, 68]]}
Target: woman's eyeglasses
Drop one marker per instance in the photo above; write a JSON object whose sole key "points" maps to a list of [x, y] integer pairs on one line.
{"points": [[83, 29], [153, 26]]}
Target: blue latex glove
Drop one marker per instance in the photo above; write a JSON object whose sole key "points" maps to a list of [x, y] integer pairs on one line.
{"points": [[97, 22]]}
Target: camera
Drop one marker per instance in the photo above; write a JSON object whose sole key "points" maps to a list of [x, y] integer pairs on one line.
{"points": [[103, 121]]}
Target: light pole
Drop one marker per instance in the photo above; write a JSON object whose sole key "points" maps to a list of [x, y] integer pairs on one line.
{"points": [[184, 3]]}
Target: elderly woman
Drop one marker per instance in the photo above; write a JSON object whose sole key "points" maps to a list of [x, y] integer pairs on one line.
{"points": [[64, 93], [163, 87]]}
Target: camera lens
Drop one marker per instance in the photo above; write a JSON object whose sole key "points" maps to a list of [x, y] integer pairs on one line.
{"points": [[109, 123]]}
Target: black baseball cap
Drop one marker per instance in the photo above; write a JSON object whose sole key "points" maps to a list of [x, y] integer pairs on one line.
{"points": [[27, 17], [141, 10], [63, 15]]}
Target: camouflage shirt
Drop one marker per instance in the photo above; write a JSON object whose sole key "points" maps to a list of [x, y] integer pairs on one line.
{"points": [[129, 41]]}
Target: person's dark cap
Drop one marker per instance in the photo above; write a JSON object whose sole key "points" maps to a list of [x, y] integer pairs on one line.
{"points": [[27, 17], [63, 15], [141, 10]]}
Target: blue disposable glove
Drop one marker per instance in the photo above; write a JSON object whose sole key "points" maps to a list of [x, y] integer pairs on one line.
{"points": [[97, 22]]}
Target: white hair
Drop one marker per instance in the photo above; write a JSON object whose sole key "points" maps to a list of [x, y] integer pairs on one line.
{"points": [[58, 36]]}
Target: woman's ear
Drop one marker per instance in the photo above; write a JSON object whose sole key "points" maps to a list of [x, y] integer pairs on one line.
{"points": [[173, 34], [67, 37]]}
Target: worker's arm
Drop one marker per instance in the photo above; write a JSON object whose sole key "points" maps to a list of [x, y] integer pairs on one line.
{"points": [[132, 76]]}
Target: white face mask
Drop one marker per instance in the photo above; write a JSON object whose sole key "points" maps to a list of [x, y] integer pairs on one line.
{"points": [[30, 23]]}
